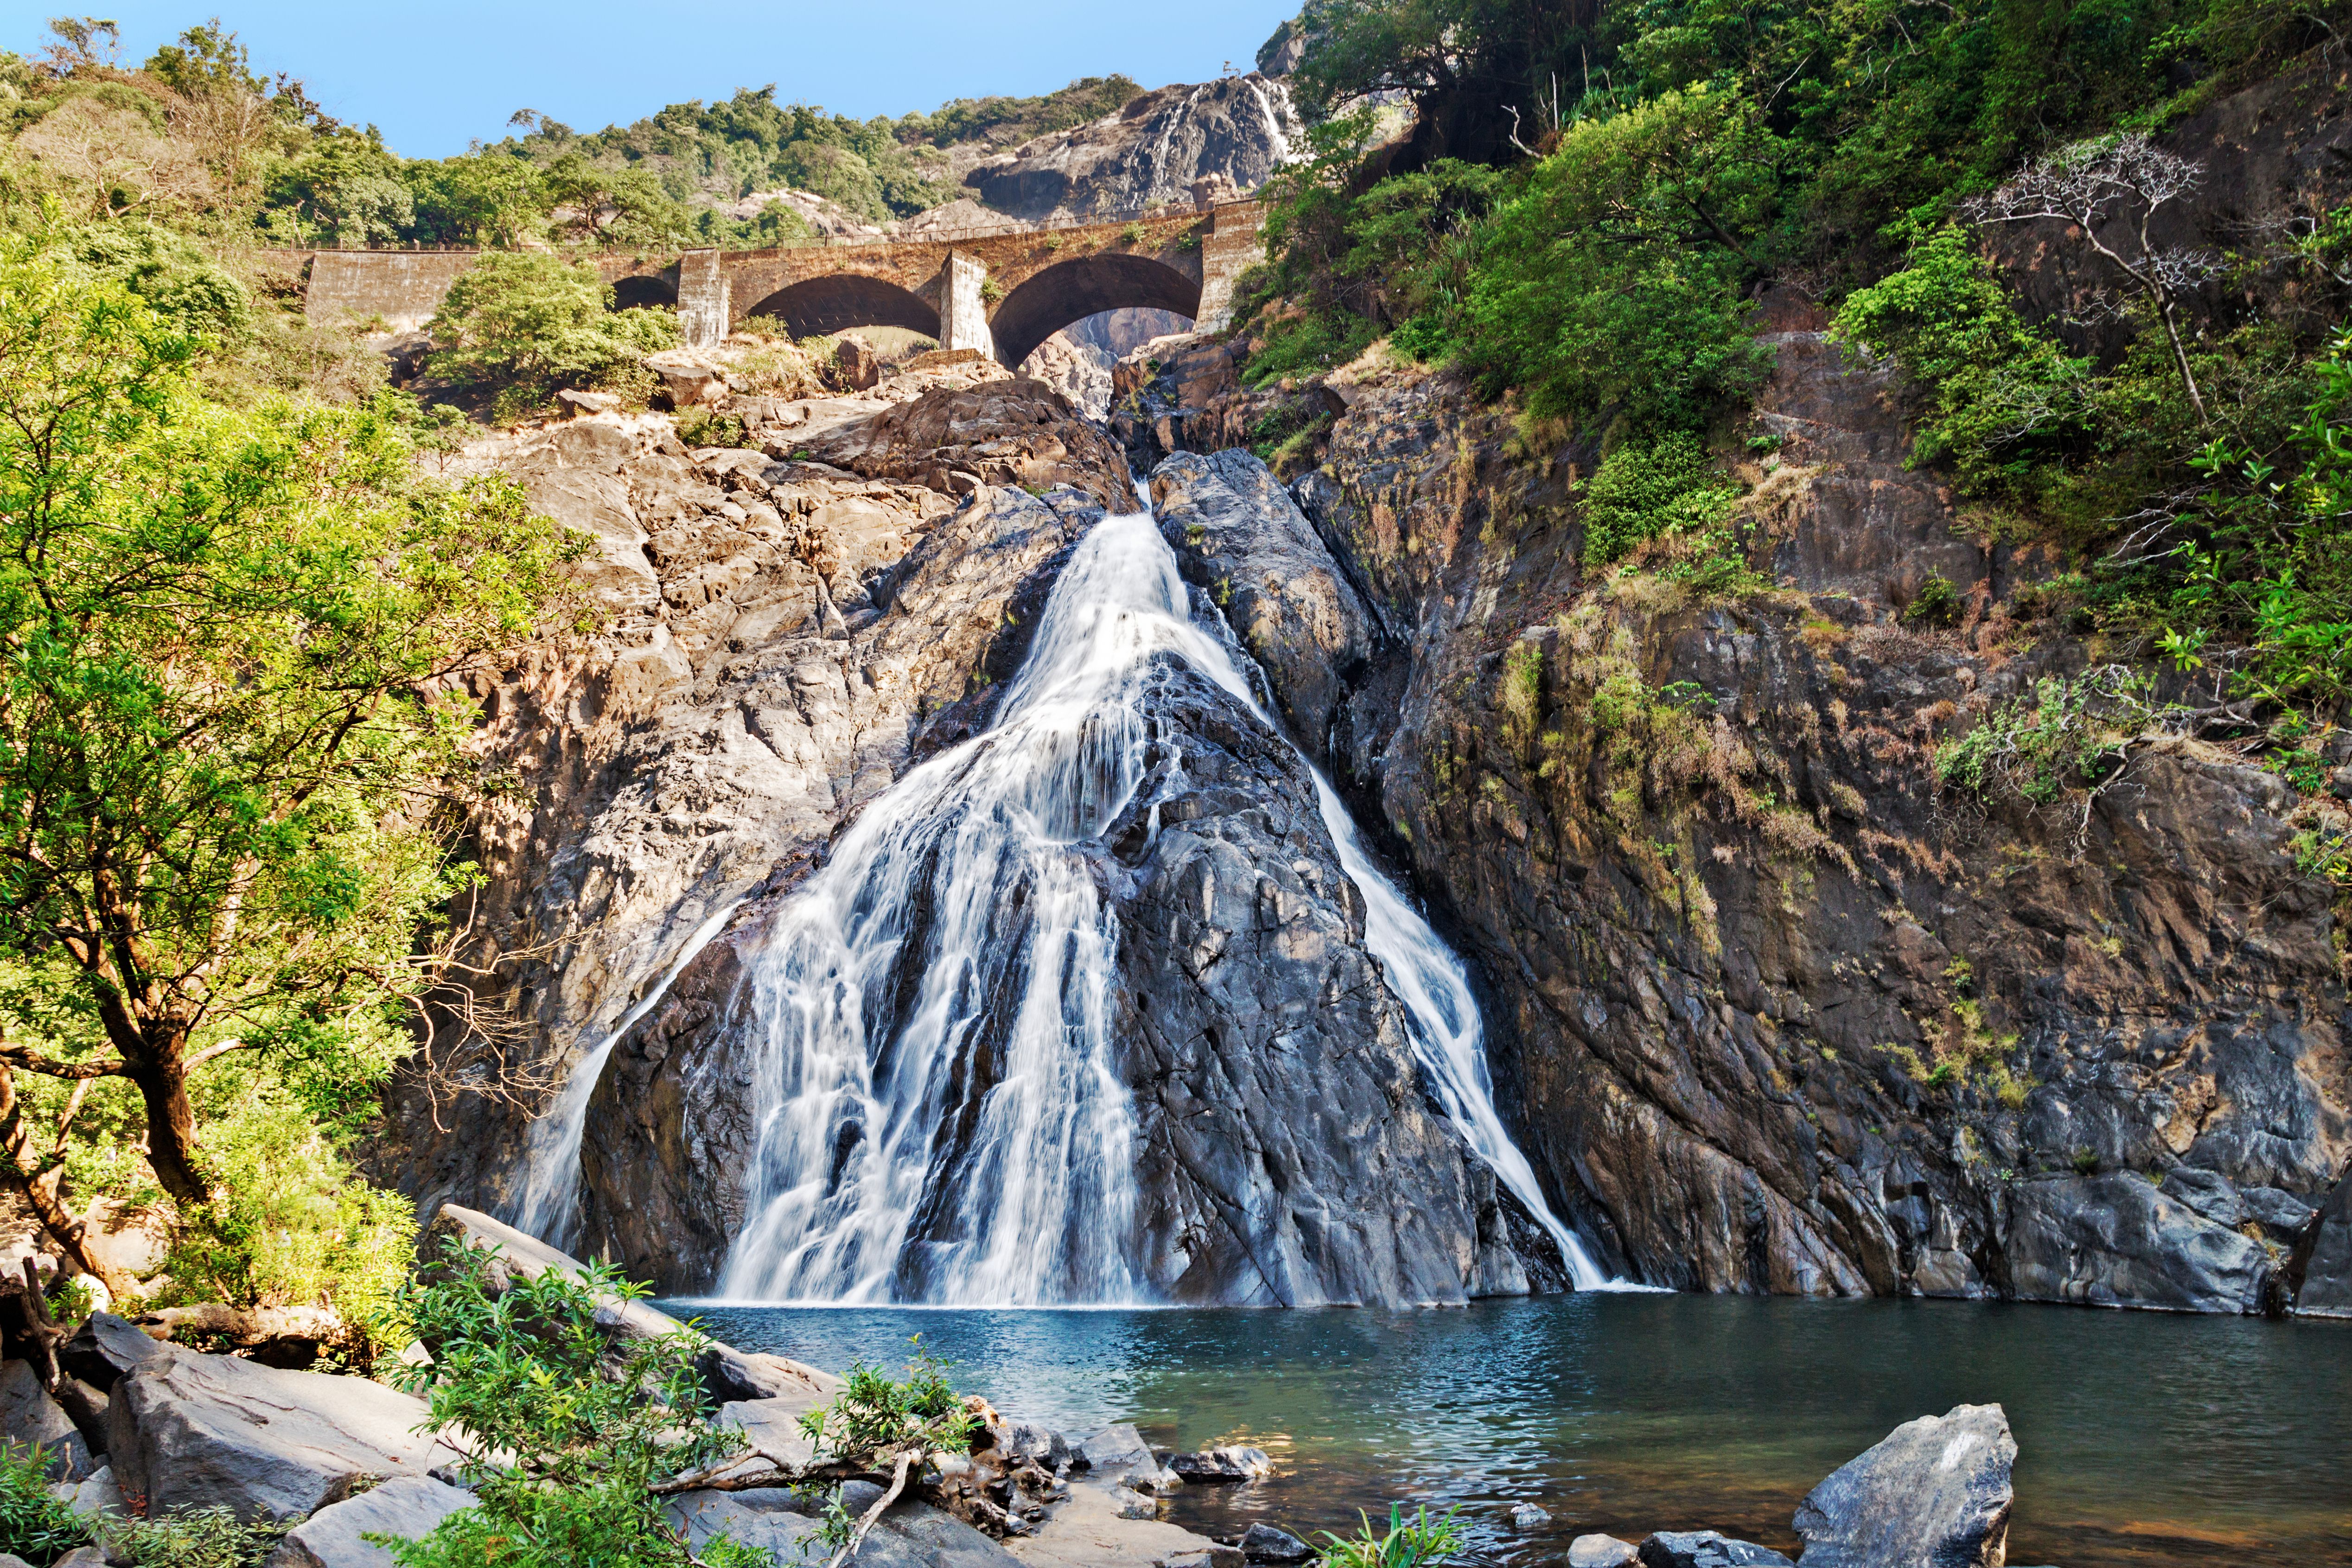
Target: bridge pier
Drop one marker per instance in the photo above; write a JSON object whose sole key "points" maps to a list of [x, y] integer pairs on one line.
{"points": [[964, 309], [703, 316]]}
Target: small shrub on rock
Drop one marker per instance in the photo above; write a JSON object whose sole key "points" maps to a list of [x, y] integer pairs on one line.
{"points": [[34, 1525]]}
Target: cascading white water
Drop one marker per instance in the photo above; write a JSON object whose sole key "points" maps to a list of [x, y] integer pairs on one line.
{"points": [[548, 1207], [958, 925]]}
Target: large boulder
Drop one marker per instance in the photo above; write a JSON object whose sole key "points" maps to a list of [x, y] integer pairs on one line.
{"points": [[29, 1416], [105, 1347], [196, 1431], [2117, 1239], [1016, 432], [1935, 1494], [334, 1537]]}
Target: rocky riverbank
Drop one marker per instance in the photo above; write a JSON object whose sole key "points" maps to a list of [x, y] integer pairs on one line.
{"points": [[139, 1428]]}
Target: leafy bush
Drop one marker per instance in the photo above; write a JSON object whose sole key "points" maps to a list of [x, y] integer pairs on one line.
{"points": [[2042, 748], [1938, 603], [2002, 397], [293, 1223], [533, 322], [34, 1525], [1407, 1542], [1614, 281], [1668, 488], [200, 1538], [873, 1417], [567, 1428]]}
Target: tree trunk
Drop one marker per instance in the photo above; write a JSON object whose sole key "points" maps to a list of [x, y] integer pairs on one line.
{"points": [[162, 1080], [40, 1187]]}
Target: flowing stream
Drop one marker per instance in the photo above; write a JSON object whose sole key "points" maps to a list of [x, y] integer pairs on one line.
{"points": [[960, 912]]}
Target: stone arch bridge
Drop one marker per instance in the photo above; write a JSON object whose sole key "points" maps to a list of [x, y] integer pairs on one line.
{"points": [[1000, 293]]}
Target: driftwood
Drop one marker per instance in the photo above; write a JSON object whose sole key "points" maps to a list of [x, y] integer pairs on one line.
{"points": [[29, 1327]]}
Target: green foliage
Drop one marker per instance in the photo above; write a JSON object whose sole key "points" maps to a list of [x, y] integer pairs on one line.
{"points": [[567, 1428], [216, 772], [534, 322], [1614, 281], [200, 1538], [703, 428], [34, 1525], [2041, 748], [1406, 1544], [292, 1224], [1665, 489], [2002, 397], [873, 1416], [1936, 604]]}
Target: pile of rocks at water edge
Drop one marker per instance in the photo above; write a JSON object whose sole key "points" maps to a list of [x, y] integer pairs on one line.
{"points": [[1935, 1494], [137, 1425]]}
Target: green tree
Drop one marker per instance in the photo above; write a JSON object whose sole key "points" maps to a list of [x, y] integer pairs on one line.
{"points": [[565, 1444], [224, 635], [483, 198], [613, 206], [530, 322]]}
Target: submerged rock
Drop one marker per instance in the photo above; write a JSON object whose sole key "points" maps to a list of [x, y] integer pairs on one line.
{"points": [[1934, 1494], [1528, 1516], [1602, 1551], [1706, 1549]]}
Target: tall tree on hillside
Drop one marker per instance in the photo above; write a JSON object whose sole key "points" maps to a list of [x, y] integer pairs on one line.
{"points": [[222, 636]]}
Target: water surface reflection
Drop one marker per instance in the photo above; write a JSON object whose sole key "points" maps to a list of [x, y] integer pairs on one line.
{"points": [[2144, 1438]]}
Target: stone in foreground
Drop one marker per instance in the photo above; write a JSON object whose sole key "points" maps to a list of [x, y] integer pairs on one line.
{"points": [[1706, 1549], [1600, 1552], [192, 1431], [1935, 1494], [332, 1538], [1528, 1516], [1224, 1467], [28, 1415], [1264, 1544]]}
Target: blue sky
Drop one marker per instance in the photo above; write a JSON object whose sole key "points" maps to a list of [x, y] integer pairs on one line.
{"points": [[435, 74]]}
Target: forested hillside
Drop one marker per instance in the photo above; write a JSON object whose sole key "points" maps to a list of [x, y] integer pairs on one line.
{"points": [[1592, 198]]}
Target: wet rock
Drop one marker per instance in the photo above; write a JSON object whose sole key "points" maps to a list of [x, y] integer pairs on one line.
{"points": [[1527, 1516], [1239, 535], [28, 1415], [1934, 1494], [104, 1348], [2327, 1289], [1222, 1467], [407, 1507], [194, 1431], [1114, 1451], [1602, 1551], [2117, 1239], [1706, 1549], [1148, 155], [1262, 1543]]}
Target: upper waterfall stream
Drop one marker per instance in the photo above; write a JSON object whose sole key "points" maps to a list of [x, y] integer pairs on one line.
{"points": [[962, 907]]}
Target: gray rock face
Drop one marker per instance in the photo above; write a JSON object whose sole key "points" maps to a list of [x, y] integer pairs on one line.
{"points": [[911, 1535], [1233, 132], [1222, 1467], [407, 1507], [28, 1415], [2328, 1273], [104, 1348], [192, 1431], [762, 1518], [2110, 1240], [1239, 535], [1706, 1549], [1935, 1494]]}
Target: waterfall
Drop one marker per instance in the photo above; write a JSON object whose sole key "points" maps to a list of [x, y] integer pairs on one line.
{"points": [[957, 923], [549, 1206]]}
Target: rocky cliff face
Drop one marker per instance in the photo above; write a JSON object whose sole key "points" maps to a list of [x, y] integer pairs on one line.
{"points": [[1219, 139], [1774, 1010]]}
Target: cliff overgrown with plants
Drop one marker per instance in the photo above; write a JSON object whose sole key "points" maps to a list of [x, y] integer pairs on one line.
{"points": [[1639, 174]]}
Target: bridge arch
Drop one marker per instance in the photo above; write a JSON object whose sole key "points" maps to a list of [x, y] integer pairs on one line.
{"points": [[638, 291], [837, 301], [1084, 286]]}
